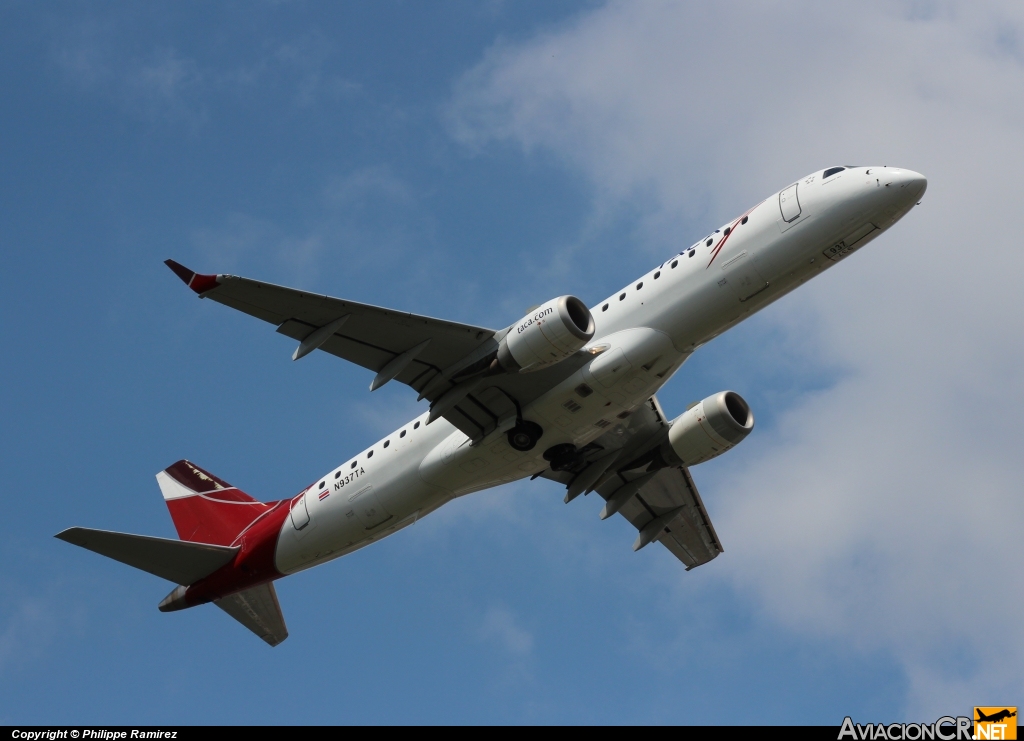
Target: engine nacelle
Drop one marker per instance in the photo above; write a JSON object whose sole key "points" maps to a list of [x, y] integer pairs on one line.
{"points": [[710, 427], [547, 335]]}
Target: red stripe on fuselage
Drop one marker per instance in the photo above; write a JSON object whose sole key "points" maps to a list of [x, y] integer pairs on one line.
{"points": [[732, 230]]}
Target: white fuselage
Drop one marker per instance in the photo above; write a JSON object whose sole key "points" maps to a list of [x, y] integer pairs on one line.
{"points": [[650, 327]]}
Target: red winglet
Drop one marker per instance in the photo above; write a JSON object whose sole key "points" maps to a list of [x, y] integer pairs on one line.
{"points": [[196, 281]]}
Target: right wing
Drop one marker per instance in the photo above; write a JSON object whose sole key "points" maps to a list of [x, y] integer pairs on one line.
{"points": [[666, 507], [689, 534]]}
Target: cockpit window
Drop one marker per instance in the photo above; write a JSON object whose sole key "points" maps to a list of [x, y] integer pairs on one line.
{"points": [[831, 171]]}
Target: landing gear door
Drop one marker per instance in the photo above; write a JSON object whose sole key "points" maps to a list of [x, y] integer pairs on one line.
{"points": [[742, 277]]}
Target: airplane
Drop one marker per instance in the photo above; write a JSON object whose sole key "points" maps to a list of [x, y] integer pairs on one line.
{"points": [[566, 392], [1003, 714]]}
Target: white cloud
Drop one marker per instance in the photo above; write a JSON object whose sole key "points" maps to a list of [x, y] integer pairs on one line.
{"points": [[501, 627], [342, 226], [160, 83], [27, 628], [226, 244], [884, 512], [308, 58]]}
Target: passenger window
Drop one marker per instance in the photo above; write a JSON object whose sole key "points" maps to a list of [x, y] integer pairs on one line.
{"points": [[708, 243], [604, 308], [337, 475], [321, 485], [416, 426], [387, 443], [744, 219], [402, 434], [693, 252], [657, 275], [622, 296], [675, 262], [727, 230], [354, 464], [370, 454], [639, 285], [831, 171]]}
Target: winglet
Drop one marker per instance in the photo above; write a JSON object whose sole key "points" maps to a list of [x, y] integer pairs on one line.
{"points": [[196, 281]]}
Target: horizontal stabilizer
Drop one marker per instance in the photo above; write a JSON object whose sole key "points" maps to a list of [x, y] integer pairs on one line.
{"points": [[175, 560], [259, 611]]}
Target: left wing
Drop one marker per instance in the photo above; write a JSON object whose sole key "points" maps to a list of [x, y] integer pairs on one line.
{"points": [[366, 335], [663, 504]]}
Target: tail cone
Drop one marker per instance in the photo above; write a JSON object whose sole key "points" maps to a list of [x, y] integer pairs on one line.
{"points": [[174, 601]]}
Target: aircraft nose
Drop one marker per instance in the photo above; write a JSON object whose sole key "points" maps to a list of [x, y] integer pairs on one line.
{"points": [[907, 183], [914, 183]]}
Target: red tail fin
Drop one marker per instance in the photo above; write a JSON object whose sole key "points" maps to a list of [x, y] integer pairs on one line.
{"points": [[204, 508]]}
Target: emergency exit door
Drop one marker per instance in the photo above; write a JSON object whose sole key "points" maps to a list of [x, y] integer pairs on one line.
{"points": [[300, 513], [789, 204]]}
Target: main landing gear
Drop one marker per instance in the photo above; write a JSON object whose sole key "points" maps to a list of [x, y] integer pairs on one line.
{"points": [[524, 435], [564, 457]]}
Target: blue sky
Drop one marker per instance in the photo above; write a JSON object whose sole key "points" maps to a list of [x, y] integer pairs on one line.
{"points": [[468, 160]]}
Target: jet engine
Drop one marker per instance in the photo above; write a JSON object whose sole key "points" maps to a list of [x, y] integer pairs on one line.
{"points": [[547, 335], [710, 427]]}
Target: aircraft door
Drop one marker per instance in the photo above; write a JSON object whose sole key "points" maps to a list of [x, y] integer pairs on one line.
{"points": [[368, 508], [743, 277], [789, 203]]}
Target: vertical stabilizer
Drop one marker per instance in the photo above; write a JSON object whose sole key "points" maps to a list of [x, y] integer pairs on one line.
{"points": [[206, 509]]}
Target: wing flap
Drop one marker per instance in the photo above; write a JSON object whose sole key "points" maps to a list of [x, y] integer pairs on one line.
{"points": [[259, 611], [690, 536], [387, 332], [340, 345]]}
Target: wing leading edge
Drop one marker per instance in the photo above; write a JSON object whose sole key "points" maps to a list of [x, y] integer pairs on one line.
{"points": [[371, 336]]}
